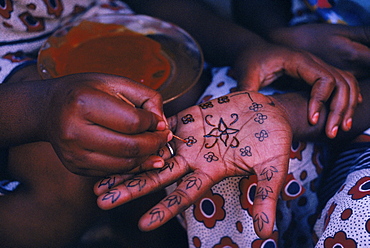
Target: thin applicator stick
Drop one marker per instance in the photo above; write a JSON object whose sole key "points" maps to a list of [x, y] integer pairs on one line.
{"points": [[133, 105]]}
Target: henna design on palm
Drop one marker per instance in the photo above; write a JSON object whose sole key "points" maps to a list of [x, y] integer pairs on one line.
{"points": [[222, 132]]}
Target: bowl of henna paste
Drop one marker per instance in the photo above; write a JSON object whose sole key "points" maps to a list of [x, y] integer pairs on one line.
{"points": [[155, 53]]}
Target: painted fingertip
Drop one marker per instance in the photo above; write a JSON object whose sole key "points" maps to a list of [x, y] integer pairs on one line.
{"points": [[315, 118], [334, 131], [349, 123]]}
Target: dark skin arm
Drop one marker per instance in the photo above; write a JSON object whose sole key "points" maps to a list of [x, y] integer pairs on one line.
{"points": [[90, 128]]}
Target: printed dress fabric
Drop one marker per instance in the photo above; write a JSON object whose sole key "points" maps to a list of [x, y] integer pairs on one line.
{"points": [[344, 188], [222, 218], [25, 25]]}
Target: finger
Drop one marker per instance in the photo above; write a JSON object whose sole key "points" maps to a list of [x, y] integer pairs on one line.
{"points": [[109, 182], [108, 142], [270, 178], [115, 114], [192, 187], [142, 184]]}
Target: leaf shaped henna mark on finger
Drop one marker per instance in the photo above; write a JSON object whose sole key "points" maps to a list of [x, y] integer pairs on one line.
{"points": [[193, 182], [156, 215], [136, 182], [187, 119], [210, 156], [108, 181], [260, 118], [268, 173], [173, 200], [264, 192], [160, 152], [190, 141], [112, 195], [246, 151], [167, 165], [261, 136], [261, 219], [223, 99]]}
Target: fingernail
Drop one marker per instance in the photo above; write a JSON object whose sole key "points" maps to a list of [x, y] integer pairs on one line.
{"points": [[161, 126], [334, 131], [158, 164], [169, 137], [349, 123], [315, 117]]}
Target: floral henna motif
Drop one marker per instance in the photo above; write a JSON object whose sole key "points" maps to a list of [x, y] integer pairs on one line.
{"points": [[223, 99], [260, 118], [206, 105], [246, 151], [261, 136], [210, 156], [190, 141], [187, 119]]}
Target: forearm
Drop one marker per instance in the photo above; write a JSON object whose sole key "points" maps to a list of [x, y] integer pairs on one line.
{"points": [[22, 108], [220, 39]]}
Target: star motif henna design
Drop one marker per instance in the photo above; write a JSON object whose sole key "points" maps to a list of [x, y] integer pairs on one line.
{"points": [[210, 157], [222, 132], [260, 118]]}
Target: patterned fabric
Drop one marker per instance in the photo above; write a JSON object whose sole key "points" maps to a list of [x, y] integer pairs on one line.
{"points": [[345, 221], [351, 12], [222, 218], [26, 24]]}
